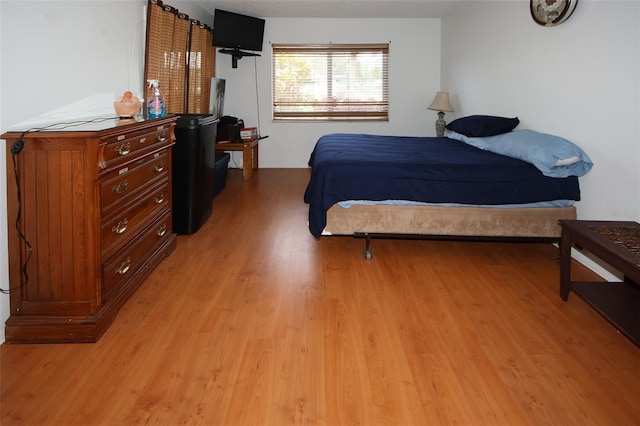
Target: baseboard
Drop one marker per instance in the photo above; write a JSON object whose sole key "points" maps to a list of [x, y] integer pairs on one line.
{"points": [[596, 265]]}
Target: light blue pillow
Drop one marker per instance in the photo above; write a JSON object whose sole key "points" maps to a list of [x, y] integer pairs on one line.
{"points": [[552, 155]]}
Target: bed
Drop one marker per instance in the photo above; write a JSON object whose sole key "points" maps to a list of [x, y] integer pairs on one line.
{"points": [[449, 187]]}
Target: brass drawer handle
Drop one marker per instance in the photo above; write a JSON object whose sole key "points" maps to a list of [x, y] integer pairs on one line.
{"points": [[120, 227], [162, 136], [124, 267], [161, 231], [121, 187], [124, 149], [159, 199], [158, 167]]}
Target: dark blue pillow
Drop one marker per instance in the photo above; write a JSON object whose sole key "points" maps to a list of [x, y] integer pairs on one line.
{"points": [[479, 126]]}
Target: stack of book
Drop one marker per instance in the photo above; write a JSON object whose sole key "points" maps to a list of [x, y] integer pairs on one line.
{"points": [[249, 133]]}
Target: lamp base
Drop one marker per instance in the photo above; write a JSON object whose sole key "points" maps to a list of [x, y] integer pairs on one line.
{"points": [[440, 125]]}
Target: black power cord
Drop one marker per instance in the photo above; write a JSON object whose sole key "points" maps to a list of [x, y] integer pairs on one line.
{"points": [[16, 148]]}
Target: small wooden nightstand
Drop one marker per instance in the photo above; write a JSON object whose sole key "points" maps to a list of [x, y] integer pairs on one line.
{"points": [[249, 154]]}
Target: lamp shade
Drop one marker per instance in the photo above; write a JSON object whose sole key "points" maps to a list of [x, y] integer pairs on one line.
{"points": [[441, 102]]}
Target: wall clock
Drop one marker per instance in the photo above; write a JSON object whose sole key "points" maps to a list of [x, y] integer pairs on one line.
{"points": [[551, 12]]}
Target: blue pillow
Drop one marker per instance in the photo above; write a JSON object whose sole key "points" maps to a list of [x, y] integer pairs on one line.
{"points": [[552, 155], [478, 126]]}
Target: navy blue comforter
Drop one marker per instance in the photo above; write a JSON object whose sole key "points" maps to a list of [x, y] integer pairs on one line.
{"points": [[427, 169]]}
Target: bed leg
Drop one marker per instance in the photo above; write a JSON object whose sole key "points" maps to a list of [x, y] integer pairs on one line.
{"points": [[367, 250]]}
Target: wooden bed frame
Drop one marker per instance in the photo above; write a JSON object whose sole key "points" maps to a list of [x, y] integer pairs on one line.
{"points": [[435, 222]]}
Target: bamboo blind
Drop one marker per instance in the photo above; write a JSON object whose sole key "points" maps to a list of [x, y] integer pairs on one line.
{"points": [[180, 55], [201, 67]]}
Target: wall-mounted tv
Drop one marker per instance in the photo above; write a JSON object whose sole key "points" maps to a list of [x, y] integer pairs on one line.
{"points": [[235, 31]]}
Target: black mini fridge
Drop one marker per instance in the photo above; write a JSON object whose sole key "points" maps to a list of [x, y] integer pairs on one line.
{"points": [[193, 161]]}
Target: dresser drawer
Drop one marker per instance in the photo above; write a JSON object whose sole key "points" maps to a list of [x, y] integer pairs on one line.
{"points": [[127, 146], [119, 185], [132, 257], [118, 228]]}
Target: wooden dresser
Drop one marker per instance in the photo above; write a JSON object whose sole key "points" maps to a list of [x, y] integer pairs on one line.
{"points": [[93, 203]]}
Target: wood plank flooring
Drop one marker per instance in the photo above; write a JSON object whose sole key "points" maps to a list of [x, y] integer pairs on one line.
{"points": [[252, 321]]}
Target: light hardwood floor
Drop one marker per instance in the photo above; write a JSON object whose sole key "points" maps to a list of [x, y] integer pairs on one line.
{"points": [[252, 321]]}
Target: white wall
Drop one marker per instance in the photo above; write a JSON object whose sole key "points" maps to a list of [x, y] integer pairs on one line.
{"points": [[414, 78], [579, 80], [56, 53]]}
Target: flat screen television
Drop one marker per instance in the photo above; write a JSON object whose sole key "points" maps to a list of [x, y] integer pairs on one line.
{"points": [[235, 31]]}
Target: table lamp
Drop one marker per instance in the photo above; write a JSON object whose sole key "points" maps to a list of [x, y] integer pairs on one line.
{"points": [[441, 103]]}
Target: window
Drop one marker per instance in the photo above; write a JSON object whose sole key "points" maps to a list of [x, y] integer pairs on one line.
{"points": [[331, 82]]}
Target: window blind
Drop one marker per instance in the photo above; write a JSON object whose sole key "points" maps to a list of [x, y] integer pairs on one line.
{"points": [[179, 53], [201, 67], [166, 52], [330, 82]]}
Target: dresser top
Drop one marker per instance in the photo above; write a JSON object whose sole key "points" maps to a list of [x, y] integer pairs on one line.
{"points": [[93, 125]]}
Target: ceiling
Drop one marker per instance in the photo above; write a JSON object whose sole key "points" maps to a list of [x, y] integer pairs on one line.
{"points": [[336, 9]]}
